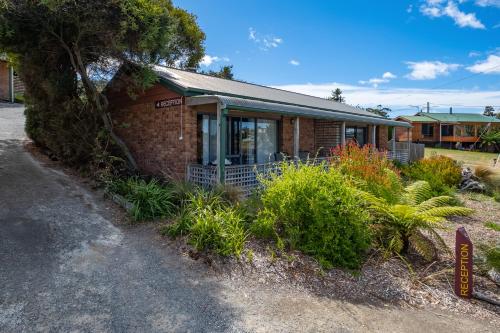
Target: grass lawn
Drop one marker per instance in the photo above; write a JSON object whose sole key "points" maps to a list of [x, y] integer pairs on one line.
{"points": [[468, 158]]}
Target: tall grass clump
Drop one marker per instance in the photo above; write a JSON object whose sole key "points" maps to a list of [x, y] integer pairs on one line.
{"points": [[150, 200], [441, 172], [369, 169], [314, 210], [211, 223]]}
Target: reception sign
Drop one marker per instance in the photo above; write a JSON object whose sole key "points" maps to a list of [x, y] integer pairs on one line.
{"points": [[166, 103], [463, 264]]}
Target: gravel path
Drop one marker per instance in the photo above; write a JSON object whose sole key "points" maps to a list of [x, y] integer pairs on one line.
{"points": [[67, 264]]}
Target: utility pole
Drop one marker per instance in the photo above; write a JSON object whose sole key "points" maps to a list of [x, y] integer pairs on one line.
{"points": [[428, 107]]}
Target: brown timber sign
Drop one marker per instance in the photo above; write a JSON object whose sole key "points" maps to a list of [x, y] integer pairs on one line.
{"points": [[463, 264], [166, 103]]}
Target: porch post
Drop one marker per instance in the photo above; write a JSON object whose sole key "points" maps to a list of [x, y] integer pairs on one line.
{"points": [[12, 93], [440, 133], [394, 138], [408, 132], [342, 134], [221, 144], [296, 137], [374, 136]]}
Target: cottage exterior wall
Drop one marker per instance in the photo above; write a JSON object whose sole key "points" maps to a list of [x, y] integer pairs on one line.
{"points": [[163, 141], [4, 80]]}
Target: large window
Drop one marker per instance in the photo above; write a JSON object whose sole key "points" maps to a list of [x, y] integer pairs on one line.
{"points": [[447, 130], [357, 134], [427, 130], [267, 140], [249, 140], [209, 139]]}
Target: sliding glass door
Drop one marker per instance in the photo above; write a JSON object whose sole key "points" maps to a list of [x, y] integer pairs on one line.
{"points": [[356, 134], [249, 140]]}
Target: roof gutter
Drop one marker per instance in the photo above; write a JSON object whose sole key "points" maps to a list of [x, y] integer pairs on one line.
{"points": [[234, 103]]}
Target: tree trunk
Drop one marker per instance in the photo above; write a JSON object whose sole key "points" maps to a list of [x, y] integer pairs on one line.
{"points": [[100, 103]]}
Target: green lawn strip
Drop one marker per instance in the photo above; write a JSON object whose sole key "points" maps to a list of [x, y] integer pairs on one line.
{"points": [[468, 158]]}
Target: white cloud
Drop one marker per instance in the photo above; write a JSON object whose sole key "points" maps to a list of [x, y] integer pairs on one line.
{"points": [[265, 42], [489, 66], [400, 97], [428, 70], [488, 3], [409, 9], [208, 60], [294, 62], [386, 78], [436, 8], [473, 54], [389, 75]]}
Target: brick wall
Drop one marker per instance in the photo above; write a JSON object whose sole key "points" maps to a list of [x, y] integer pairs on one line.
{"points": [[153, 135], [4, 80], [382, 137], [327, 135], [306, 135]]}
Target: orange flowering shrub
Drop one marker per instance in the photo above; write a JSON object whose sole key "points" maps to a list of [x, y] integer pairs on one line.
{"points": [[369, 169]]}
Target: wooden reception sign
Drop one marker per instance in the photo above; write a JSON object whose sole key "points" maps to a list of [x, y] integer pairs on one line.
{"points": [[463, 264], [166, 103]]}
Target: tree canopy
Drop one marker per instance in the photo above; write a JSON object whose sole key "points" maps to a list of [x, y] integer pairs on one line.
{"points": [[489, 111], [225, 72], [66, 49], [380, 110], [337, 96]]}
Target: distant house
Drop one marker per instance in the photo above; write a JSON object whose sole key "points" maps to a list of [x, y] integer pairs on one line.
{"points": [[210, 130], [447, 129], [10, 84]]}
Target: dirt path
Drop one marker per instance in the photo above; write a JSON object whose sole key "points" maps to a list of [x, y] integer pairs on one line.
{"points": [[68, 265]]}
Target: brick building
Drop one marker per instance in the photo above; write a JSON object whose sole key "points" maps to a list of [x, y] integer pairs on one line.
{"points": [[447, 129], [208, 129], [10, 84]]}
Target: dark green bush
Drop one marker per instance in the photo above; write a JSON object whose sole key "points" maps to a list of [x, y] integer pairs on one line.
{"points": [[211, 222], [314, 210], [441, 172], [150, 200]]}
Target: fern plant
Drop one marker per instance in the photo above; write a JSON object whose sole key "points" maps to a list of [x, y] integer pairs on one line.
{"points": [[412, 223]]}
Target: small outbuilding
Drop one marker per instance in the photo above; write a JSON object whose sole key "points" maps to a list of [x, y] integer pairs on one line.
{"points": [[207, 129]]}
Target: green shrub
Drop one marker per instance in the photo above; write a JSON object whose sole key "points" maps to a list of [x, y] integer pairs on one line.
{"points": [[496, 196], [441, 172], [492, 225], [489, 257], [211, 223], [314, 210], [220, 230], [369, 169], [150, 200]]}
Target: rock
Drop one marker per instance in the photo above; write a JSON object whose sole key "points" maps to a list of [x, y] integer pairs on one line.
{"points": [[494, 275], [470, 182]]}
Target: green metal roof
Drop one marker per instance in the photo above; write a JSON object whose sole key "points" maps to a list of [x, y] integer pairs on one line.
{"points": [[418, 119], [451, 118], [191, 84]]}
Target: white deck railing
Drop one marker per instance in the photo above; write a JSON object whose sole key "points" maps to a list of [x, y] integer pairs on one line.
{"points": [[245, 177]]}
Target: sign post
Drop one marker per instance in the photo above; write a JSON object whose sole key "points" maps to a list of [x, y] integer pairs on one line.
{"points": [[463, 264]]}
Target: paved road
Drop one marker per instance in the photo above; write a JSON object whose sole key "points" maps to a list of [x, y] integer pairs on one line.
{"points": [[66, 266]]}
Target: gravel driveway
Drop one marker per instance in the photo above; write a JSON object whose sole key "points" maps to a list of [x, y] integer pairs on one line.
{"points": [[67, 266]]}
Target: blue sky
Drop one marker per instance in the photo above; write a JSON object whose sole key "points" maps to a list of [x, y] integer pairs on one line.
{"points": [[396, 53]]}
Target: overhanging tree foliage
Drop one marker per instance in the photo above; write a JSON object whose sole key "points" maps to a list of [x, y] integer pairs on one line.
{"points": [[66, 50]]}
